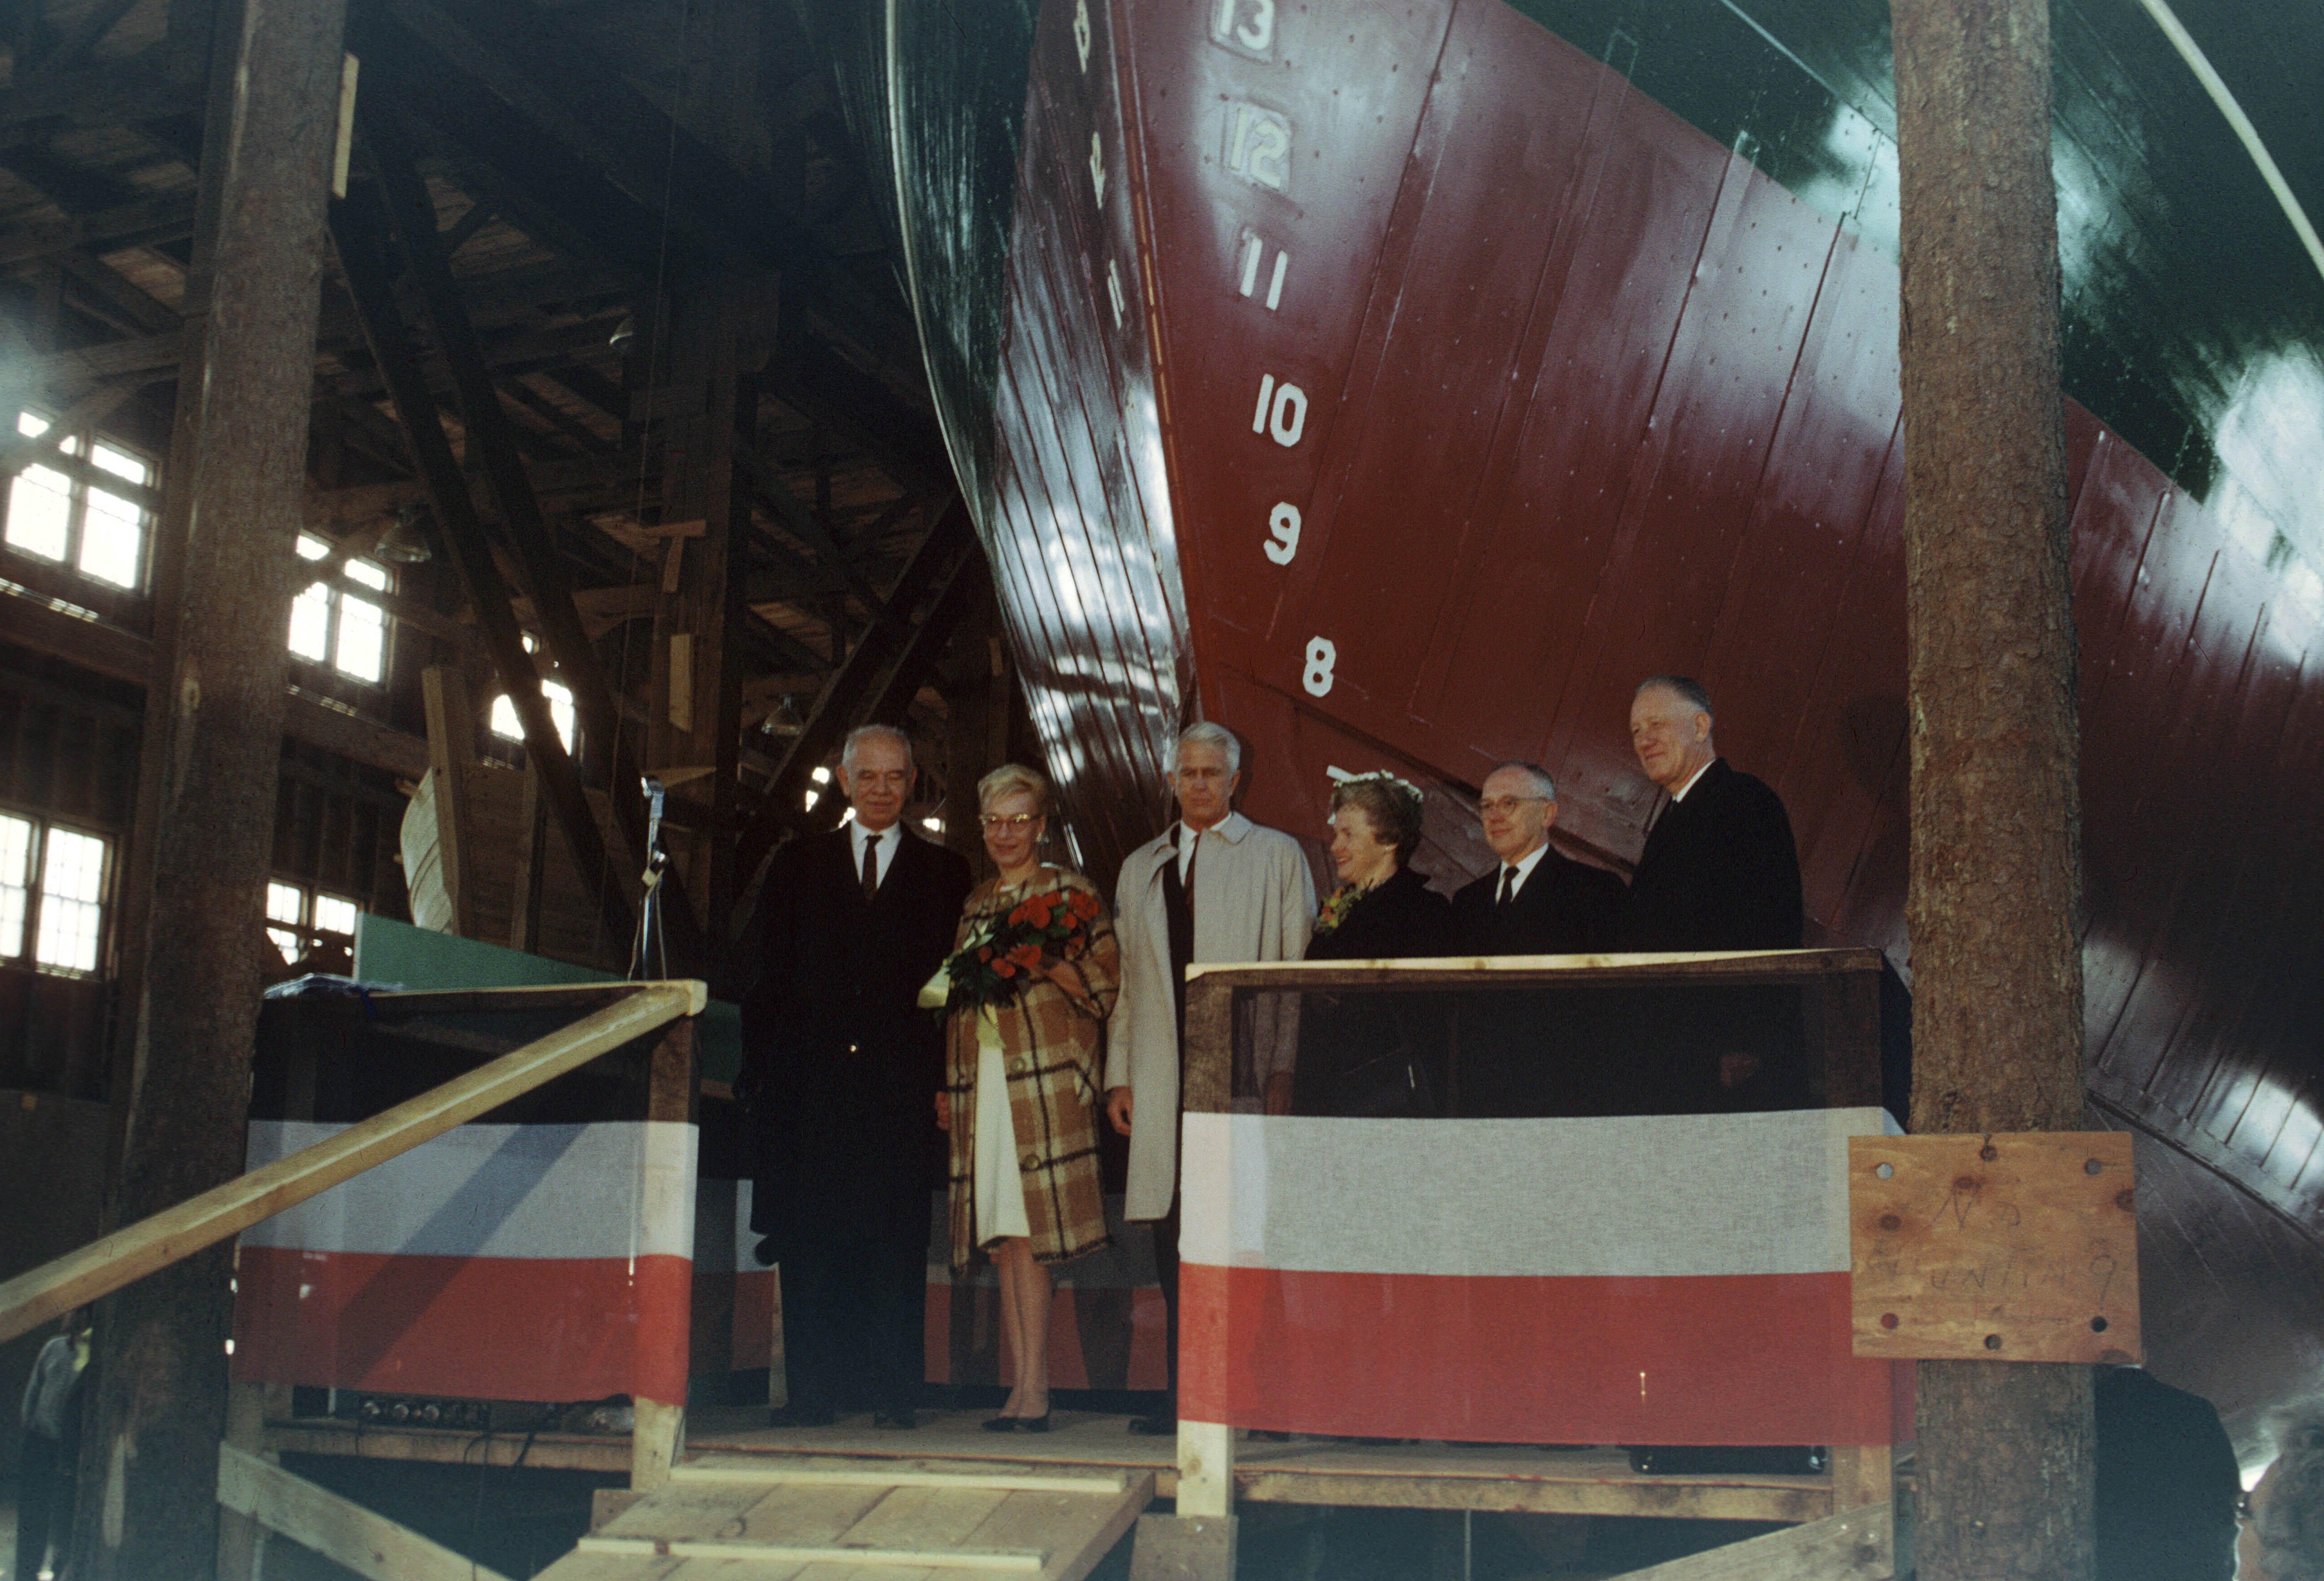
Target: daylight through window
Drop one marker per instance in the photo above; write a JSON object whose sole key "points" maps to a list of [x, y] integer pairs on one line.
{"points": [[67, 514], [52, 894], [334, 626]]}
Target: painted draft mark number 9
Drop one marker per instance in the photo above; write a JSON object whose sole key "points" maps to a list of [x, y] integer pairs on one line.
{"points": [[1283, 533]]}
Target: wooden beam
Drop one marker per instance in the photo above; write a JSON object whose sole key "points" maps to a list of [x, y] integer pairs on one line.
{"points": [[412, 214], [87, 33], [88, 364], [18, 451], [194, 883], [104, 93], [143, 314], [963, 588], [1860, 1545], [360, 740], [696, 678], [340, 1529], [94, 646], [55, 1288], [2006, 1449], [166, 216], [854, 684], [802, 524], [109, 650], [359, 230]]}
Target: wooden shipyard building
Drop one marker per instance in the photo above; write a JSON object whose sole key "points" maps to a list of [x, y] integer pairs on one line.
{"points": [[462, 453]]}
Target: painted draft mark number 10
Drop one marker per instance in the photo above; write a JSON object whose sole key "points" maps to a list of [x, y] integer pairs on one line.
{"points": [[1259, 143]]}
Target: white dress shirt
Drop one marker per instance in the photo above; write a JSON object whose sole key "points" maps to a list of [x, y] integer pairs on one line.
{"points": [[884, 851]]}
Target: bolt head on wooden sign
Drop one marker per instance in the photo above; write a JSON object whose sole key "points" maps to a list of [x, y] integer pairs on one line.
{"points": [[2004, 1248]]}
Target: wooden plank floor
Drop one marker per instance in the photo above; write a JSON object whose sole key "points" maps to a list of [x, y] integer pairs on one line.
{"points": [[1304, 1471], [1314, 1471], [788, 1517]]}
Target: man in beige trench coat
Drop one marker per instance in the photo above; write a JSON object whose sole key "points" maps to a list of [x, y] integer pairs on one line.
{"points": [[1214, 887]]}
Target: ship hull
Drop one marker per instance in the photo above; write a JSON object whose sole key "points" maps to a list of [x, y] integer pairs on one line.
{"points": [[1400, 384]]}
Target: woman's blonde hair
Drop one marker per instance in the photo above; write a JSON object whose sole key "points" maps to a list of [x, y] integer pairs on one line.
{"points": [[1009, 778]]}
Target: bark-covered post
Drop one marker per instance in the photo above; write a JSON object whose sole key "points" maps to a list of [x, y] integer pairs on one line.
{"points": [[2004, 1476], [213, 736]]}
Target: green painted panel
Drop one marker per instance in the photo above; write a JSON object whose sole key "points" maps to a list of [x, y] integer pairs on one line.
{"points": [[420, 957]]}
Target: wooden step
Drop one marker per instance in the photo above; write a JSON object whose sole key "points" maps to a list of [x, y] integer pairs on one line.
{"points": [[762, 1518]]}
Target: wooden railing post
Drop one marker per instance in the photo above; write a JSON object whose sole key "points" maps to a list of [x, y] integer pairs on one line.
{"points": [[658, 1438], [1199, 1540]]}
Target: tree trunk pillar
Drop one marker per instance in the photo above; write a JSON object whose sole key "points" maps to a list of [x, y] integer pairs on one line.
{"points": [[2005, 1472], [196, 879]]}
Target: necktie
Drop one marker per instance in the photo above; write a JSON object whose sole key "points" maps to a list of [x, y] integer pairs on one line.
{"points": [[1508, 886], [1178, 923], [870, 865], [1186, 879]]}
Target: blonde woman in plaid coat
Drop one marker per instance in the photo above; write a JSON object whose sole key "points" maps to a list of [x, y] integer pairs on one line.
{"points": [[1021, 1095]]}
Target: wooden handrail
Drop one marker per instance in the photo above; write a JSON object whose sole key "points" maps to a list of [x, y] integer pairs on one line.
{"points": [[1772, 966], [128, 1254]]}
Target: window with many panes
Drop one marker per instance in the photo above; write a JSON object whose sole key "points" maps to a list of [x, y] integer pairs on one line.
{"points": [[337, 627], [303, 914], [71, 518], [52, 895]]}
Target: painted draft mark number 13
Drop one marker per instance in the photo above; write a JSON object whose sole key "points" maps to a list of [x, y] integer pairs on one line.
{"points": [[1248, 22]]}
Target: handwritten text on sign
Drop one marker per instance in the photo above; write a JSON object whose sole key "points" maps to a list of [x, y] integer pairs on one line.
{"points": [[2009, 1247]]}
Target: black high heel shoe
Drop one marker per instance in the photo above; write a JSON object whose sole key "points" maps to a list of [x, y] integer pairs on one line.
{"points": [[1008, 1424]]}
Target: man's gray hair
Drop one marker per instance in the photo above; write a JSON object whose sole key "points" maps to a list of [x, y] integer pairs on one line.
{"points": [[863, 733], [2290, 1523], [1686, 687], [1543, 785], [1206, 733]]}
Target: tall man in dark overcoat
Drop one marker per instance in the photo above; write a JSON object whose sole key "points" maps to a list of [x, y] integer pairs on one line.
{"points": [[1720, 872], [1533, 1053], [840, 1073]]}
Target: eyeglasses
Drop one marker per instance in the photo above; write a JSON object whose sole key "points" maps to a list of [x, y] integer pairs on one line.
{"points": [[1010, 821], [1503, 806]]}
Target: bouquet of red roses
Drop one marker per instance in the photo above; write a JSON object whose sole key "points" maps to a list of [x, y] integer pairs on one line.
{"points": [[995, 965]]}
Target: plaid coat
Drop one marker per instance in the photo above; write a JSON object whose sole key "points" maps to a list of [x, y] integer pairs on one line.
{"points": [[1049, 1044]]}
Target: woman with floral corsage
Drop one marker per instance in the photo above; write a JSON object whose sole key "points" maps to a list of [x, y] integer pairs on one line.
{"points": [[1029, 984], [1373, 1054]]}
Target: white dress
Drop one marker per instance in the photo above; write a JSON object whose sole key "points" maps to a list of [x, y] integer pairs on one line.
{"points": [[1000, 1189]]}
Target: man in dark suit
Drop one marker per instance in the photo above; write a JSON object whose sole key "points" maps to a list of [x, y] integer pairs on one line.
{"points": [[840, 1074], [1720, 872], [1529, 1053]]}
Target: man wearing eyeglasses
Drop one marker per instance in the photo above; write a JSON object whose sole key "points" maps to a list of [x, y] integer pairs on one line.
{"points": [[1528, 1053], [840, 1073]]}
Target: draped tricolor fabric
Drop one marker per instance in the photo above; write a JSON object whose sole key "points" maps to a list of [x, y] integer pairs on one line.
{"points": [[1649, 1279], [544, 1262]]}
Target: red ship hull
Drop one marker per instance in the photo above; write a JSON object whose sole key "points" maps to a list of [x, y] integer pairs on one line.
{"points": [[1399, 386]]}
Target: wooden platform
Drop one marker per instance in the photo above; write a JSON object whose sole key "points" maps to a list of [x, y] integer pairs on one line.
{"points": [[809, 1518], [1304, 1471]]}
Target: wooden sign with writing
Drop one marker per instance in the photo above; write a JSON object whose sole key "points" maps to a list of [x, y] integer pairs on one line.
{"points": [[2005, 1248]]}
